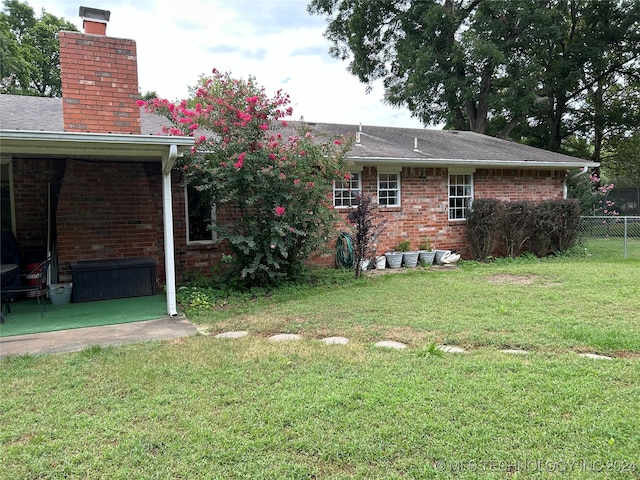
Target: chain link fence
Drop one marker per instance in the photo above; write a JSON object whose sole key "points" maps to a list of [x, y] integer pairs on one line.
{"points": [[610, 237]]}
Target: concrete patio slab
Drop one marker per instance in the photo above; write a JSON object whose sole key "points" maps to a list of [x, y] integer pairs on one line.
{"points": [[81, 338]]}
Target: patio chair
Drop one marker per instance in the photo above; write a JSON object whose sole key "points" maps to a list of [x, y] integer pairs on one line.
{"points": [[39, 290]]}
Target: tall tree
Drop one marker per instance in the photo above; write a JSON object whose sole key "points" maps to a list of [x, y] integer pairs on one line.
{"points": [[29, 51], [538, 71]]}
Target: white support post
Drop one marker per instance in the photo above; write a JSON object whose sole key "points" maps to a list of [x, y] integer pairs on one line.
{"points": [[167, 217]]}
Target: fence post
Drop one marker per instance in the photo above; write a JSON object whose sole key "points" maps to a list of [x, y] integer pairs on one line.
{"points": [[625, 236]]}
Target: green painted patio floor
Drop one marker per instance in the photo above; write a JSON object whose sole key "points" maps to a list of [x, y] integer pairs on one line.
{"points": [[25, 315]]}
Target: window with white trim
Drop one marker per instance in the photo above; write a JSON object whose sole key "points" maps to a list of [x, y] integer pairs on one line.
{"points": [[389, 189], [345, 191], [460, 195], [200, 215]]}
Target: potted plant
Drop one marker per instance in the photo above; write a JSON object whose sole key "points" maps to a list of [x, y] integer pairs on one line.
{"points": [[439, 255], [425, 252], [409, 257], [394, 257]]}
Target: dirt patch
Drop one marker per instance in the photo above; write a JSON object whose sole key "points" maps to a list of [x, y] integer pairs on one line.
{"points": [[387, 271], [626, 354], [527, 279]]}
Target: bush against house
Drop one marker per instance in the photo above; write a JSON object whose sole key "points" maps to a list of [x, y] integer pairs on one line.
{"points": [[274, 188], [512, 228]]}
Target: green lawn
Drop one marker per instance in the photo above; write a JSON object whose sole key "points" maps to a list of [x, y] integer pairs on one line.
{"points": [[611, 247], [208, 408]]}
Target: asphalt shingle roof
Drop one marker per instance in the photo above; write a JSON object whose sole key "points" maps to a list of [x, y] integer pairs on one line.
{"points": [[45, 114], [377, 144], [415, 144]]}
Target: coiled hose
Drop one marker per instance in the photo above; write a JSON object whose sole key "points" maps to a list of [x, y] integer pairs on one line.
{"points": [[344, 251]]}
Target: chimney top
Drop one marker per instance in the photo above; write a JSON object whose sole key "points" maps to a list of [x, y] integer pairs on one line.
{"points": [[94, 20]]}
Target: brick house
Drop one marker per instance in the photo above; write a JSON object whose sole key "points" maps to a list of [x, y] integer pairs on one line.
{"points": [[425, 179], [86, 177]]}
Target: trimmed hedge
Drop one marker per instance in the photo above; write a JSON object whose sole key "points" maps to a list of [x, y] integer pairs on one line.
{"points": [[513, 228]]}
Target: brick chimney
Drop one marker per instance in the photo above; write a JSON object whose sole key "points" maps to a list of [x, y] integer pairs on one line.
{"points": [[99, 78]]}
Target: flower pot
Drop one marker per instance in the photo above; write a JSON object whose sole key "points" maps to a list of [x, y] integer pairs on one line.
{"points": [[60, 293], [426, 257], [438, 257], [394, 259], [410, 259], [381, 262]]}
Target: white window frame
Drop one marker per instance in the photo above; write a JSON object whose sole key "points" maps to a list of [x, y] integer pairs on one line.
{"points": [[459, 194], [207, 241], [347, 190], [381, 190]]}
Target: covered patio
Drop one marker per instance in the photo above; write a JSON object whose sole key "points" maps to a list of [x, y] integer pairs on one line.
{"points": [[26, 318]]}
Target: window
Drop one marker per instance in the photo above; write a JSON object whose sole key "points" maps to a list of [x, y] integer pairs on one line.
{"points": [[460, 195], [200, 215], [389, 189], [345, 191]]}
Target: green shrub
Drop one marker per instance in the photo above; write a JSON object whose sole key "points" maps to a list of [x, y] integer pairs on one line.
{"points": [[523, 227], [516, 226], [484, 220]]}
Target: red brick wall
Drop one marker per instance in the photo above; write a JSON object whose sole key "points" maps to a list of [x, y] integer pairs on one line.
{"points": [[99, 83], [114, 210], [36, 184], [109, 210], [424, 203]]}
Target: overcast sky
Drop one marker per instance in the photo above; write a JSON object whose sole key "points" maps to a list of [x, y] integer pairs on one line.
{"points": [[276, 41]]}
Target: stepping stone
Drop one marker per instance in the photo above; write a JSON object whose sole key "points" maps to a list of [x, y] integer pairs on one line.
{"points": [[515, 352], [335, 341], [594, 356], [391, 344], [451, 349], [285, 337], [238, 334]]}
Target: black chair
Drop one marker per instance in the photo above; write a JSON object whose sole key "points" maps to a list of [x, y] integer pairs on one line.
{"points": [[39, 290]]}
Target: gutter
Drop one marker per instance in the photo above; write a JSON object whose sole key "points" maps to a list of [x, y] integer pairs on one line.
{"points": [[167, 218], [565, 190], [446, 162]]}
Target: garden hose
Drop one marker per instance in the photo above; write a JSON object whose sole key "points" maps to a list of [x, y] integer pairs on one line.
{"points": [[344, 251]]}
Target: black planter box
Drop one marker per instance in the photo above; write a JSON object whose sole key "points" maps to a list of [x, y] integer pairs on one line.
{"points": [[114, 278]]}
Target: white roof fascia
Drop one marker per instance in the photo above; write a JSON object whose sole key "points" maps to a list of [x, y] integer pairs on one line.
{"points": [[444, 162], [77, 143]]}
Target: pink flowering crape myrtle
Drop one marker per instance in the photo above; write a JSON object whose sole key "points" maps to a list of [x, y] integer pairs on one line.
{"points": [[276, 183]]}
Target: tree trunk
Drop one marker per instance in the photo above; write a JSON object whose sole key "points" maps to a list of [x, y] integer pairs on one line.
{"points": [[598, 122], [558, 108]]}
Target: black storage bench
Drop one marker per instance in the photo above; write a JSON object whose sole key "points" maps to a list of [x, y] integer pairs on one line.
{"points": [[114, 278]]}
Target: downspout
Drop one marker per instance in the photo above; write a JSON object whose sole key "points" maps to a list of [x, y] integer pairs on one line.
{"points": [[565, 190], [167, 217]]}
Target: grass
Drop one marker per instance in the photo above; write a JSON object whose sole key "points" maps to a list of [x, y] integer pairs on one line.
{"points": [[202, 407], [611, 247], [565, 305]]}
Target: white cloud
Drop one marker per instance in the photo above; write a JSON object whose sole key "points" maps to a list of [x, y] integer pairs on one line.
{"points": [[276, 41]]}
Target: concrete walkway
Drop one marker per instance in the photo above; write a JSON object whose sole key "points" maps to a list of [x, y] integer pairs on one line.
{"points": [[81, 338]]}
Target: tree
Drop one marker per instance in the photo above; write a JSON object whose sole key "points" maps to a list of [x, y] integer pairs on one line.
{"points": [[366, 226], [272, 191], [622, 164], [29, 51], [536, 71]]}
